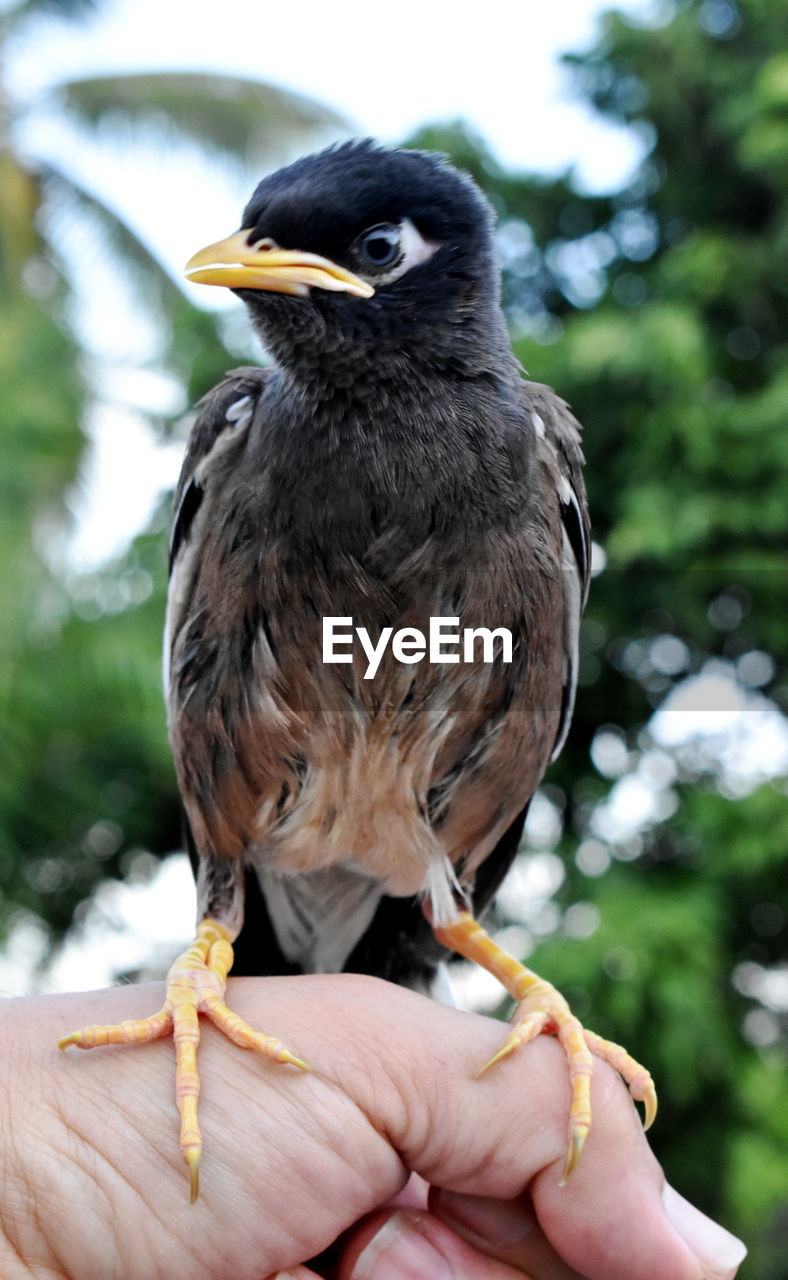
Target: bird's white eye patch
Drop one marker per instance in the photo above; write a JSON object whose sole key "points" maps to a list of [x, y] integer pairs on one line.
{"points": [[415, 248], [386, 251]]}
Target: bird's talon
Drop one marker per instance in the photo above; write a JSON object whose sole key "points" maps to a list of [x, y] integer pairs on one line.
{"points": [[192, 1159], [543, 1009], [291, 1060], [573, 1151], [195, 984], [505, 1050], [522, 1033], [650, 1107]]}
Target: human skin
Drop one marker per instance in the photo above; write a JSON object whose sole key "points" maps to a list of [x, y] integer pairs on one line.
{"points": [[92, 1184]]}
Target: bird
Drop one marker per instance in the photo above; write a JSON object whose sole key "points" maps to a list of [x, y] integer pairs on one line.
{"points": [[379, 559]]}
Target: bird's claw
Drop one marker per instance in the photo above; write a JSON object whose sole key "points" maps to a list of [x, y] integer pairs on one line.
{"points": [[192, 1158], [542, 1009], [578, 1045], [637, 1078], [572, 1158], [195, 984], [520, 1034]]}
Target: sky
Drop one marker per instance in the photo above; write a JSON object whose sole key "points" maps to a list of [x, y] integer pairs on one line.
{"points": [[386, 68]]}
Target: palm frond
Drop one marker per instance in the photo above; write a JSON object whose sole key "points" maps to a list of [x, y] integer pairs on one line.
{"points": [[67, 9], [63, 189], [240, 118]]}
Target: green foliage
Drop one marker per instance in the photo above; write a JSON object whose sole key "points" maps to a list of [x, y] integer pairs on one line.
{"points": [[38, 415], [85, 772], [659, 313]]}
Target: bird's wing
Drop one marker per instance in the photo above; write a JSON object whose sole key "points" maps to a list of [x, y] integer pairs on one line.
{"points": [[219, 430], [558, 449]]}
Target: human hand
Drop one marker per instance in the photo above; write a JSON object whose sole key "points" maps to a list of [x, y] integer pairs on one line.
{"points": [[92, 1183]]}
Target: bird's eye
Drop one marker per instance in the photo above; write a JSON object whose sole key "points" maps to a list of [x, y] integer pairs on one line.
{"points": [[380, 246]]}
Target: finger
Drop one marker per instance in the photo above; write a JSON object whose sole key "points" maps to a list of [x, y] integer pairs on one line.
{"points": [[414, 1195], [504, 1229], [411, 1071], [494, 1137], [509, 1230], [295, 1273], [393, 1092], [416, 1246]]}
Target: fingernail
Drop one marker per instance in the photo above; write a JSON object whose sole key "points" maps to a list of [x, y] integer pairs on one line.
{"points": [[501, 1222], [400, 1251], [720, 1252]]}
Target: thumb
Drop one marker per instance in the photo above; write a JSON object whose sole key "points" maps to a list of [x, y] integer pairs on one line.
{"points": [[508, 1230], [409, 1244]]}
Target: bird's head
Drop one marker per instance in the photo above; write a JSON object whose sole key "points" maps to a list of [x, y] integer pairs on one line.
{"points": [[363, 252]]}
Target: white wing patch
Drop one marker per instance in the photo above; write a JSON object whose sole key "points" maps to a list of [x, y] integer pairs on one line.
{"points": [[574, 529], [238, 417], [240, 412]]}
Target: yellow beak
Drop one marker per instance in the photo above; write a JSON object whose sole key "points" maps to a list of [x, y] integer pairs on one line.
{"points": [[238, 265]]}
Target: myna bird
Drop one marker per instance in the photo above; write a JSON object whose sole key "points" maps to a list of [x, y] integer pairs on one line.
{"points": [[379, 561]]}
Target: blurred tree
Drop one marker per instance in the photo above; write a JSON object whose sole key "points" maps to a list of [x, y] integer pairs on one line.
{"points": [[85, 776], [659, 312]]}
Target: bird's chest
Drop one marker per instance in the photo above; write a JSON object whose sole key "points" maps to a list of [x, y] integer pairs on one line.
{"points": [[344, 473], [332, 701], [377, 559]]}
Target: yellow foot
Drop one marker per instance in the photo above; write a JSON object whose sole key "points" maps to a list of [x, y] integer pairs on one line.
{"points": [[542, 1009], [196, 984]]}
